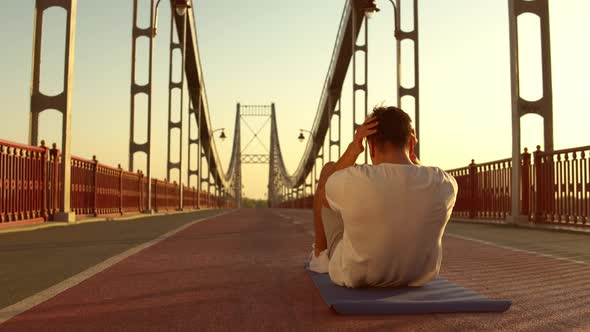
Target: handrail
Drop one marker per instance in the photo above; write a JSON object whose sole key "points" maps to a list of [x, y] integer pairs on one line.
{"points": [[29, 187], [20, 146], [198, 95], [553, 190], [494, 162], [569, 150], [333, 82]]}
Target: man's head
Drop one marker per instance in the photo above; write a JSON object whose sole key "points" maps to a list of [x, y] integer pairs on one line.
{"points": [[394, 132]]}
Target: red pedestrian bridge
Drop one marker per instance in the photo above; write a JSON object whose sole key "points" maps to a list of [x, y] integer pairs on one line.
{"points": [[89, 246]]}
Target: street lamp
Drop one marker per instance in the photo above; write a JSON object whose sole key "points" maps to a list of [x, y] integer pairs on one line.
{"points": [[369, 7], [301, 137], [155, 23], [222, 135], [181, 8]]}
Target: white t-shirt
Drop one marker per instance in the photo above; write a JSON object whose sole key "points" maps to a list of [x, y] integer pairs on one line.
{"points": [[394, 218]]}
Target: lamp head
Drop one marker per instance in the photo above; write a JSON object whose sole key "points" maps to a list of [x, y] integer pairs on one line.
{"points": [[182, 6], [369, 7], [301, 138], [222, 135]]}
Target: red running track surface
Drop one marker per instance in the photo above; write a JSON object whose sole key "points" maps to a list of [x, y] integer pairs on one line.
{"points": [[243, 272]]}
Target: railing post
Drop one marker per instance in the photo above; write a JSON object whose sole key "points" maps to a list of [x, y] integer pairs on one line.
{"points": [[55, 180], [154, 185], [95, 194], [4, 184], [44, 161], [166, 203], [176, 196], [539, 185], [473, 197], [120, 189], [140, 191], [526, 183]]}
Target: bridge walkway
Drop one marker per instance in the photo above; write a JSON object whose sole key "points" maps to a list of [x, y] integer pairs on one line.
{"points": [[242, 270]]}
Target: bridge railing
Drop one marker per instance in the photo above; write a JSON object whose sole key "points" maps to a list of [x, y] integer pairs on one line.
{"points": [[24, 178], [555, 188], [30, 188], [561, 184], [484, 189]]}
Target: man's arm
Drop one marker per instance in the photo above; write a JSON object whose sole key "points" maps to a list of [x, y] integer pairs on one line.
{"points": [[348, 159]]}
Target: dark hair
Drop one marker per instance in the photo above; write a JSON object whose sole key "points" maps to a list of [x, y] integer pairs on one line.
{"points": [[395, 126]]}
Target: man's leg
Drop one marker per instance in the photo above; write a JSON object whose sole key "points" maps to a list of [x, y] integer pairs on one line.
{"points": [[318, 202]]}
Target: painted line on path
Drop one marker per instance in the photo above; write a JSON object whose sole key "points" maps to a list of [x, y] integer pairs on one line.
{"points": [[519, 250], [34, 300]]}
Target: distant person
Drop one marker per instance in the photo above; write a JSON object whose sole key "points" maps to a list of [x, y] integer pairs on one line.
{"points": [[381, 225]]}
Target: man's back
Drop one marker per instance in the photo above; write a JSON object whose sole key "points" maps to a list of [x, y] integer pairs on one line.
{"points": [[394, 216]]}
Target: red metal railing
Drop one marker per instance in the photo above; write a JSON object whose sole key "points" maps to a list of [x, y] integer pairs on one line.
{"points": [[484, 189], [30, 188], [561, 183], [23, 181], [555, 188]]}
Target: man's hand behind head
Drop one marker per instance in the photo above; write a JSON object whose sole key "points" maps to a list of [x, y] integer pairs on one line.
{"points": [[369, 127]]}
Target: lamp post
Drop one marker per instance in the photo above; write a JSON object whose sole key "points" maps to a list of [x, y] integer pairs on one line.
{"points": [[370, 8], [181, 7], [301, 137], [155, 22], [222, 136]]}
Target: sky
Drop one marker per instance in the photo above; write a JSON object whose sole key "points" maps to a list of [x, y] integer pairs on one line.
{"points": [[263, 51]]}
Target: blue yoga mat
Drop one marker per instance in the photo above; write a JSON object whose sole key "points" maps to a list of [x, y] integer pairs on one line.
{"points": [[437, 296]]}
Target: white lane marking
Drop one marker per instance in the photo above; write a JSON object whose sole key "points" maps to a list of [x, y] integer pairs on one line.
{"points": [[34, 300], [519, 250]]}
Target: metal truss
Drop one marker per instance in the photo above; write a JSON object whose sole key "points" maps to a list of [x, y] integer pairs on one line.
{"points": [[357, 86], [193, 115], [283, 185], [222, 181], [278, 190], [138, 89], [339, 66], [316, 173], [413, 91], [335, 142], [308, 185], [244, 112], [255, 159], [61, 102], [520, 106], [236, 187], [176, 125], [256, 110]]}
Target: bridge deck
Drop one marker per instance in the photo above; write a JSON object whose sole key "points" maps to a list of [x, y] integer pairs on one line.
{"points": [[243, 271]]}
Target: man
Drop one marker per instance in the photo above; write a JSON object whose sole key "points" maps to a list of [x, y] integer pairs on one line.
{"points": [[381, 225]]}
